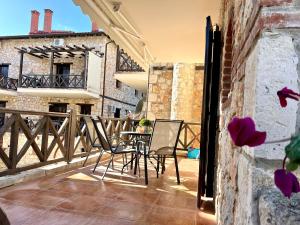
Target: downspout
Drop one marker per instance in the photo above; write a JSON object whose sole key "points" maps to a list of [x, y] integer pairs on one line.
{"points": [[104, 75]]}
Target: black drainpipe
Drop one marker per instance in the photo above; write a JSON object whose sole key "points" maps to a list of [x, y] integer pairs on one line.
{"points": [[104, 75]]}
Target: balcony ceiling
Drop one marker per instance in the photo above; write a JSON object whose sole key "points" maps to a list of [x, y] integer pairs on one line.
{"points": [[155, 30]]}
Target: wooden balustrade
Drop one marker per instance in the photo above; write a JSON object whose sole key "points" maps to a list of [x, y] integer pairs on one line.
{"points": [[49, 143]]}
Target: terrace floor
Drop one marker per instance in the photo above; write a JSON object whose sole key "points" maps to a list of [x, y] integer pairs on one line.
{"points": [[80, 198]]}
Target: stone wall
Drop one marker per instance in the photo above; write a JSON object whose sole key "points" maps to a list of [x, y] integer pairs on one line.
{"points": [[34, 65], [263, 58], [175, 92], [160, 92]]}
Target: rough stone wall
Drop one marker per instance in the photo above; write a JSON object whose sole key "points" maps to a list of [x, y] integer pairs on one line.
{"points": [[160, 92], [265, 58], [187, 92], [175, 91], [8, 54]]}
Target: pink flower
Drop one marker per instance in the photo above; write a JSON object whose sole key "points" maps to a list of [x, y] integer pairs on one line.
{"points": [[285, 93], [242, 132], [286, 182]]}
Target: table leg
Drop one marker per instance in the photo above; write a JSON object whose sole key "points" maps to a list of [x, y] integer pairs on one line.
{"points": [[145, 164]]}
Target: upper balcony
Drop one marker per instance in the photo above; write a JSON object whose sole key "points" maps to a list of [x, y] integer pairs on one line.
{"points": [[8, 85], [74, 71]]}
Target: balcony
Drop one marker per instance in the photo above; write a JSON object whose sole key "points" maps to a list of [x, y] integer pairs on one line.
{"points": [[85, 85], [73, 195], [52, 81], [8, 85]]}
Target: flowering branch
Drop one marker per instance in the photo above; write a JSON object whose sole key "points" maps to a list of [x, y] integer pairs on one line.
{"points": [[243, 132]]}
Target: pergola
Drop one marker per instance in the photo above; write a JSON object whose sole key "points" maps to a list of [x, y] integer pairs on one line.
{"points": [[52, 52]]}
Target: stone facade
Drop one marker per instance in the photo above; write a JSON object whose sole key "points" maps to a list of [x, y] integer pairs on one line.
{"points": [[261, 56], [175, 92], [32, 65]]}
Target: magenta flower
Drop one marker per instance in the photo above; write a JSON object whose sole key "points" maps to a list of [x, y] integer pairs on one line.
{"points": [[285, 93], [286, 182], [242, 132]]}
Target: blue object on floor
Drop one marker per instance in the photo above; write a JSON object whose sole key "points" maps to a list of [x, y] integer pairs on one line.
{"points": [[193, 153]]}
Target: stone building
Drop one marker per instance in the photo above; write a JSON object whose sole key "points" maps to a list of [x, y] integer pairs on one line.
{"points": [[50, 70]]}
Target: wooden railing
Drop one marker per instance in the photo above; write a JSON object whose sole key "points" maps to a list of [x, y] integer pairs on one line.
{"points": [[52, 81], [8, 83], [25, 145]]}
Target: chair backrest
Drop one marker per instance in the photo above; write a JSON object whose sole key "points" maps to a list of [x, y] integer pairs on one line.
{"points": [[102, 135], [91, 131], [165, 134]]}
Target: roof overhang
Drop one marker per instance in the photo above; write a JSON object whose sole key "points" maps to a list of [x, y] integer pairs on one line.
{"points": [[136, 80], [155, 30]]}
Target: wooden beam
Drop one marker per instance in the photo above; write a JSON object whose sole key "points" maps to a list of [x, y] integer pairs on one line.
{"points": [[21, 68]]}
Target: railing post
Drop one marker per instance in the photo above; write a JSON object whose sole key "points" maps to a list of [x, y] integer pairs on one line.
{"points": [[71, 134], [45, 136], [14, 139]]}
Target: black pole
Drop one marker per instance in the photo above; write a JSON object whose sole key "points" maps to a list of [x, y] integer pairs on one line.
{"points": [[51, 68]]}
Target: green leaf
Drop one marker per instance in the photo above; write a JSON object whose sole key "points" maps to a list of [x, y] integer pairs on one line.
{"points": [[292, 150], [292, 166]]}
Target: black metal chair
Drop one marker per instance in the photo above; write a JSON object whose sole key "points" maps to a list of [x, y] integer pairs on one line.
{"points": [[107, 146], [163, 144], [92, 137]]}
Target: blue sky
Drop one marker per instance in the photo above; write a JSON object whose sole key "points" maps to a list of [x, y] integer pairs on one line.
{"points": [[15, 16]]}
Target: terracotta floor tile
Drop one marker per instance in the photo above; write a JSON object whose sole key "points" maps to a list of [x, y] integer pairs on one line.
{"points": [[80, 197]]}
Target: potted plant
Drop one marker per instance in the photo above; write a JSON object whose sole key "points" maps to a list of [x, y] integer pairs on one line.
{"points": [[144, 126]]}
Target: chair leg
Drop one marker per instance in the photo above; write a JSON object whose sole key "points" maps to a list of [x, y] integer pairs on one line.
{"points": [[177, 170], [136, 163], [110, 161], [112, 164], [88, 154], [157, 168], [163, 164], [98, 160], [131, 164], [126, 161]]}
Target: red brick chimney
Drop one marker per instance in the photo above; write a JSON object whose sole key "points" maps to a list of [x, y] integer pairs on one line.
{"points": [[34, 27], [95, 28], [48, 21]]}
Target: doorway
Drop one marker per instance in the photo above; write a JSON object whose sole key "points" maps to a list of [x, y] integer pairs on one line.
{"points": [[62, 75]]}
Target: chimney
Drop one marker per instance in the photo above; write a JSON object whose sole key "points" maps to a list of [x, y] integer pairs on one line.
{"points": [[48, 21], [95, 28], [34, 27]]}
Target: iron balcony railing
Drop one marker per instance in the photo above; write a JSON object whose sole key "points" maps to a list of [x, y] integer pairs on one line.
{"points": [[8, 83], [52, 81]]}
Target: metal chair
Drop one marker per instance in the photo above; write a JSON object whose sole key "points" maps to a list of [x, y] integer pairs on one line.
{"points": [[163, 145], [106, 143], [92, 137]]}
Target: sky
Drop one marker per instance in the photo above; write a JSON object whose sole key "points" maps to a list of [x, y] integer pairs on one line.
{"points": [[15, 16]]}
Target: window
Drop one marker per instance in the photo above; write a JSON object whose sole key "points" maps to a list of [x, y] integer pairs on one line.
{"points": [[85, 109], [117, 113], [118, 84], [4, 70], [2, 115], [136, 93], [58, 107]]}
